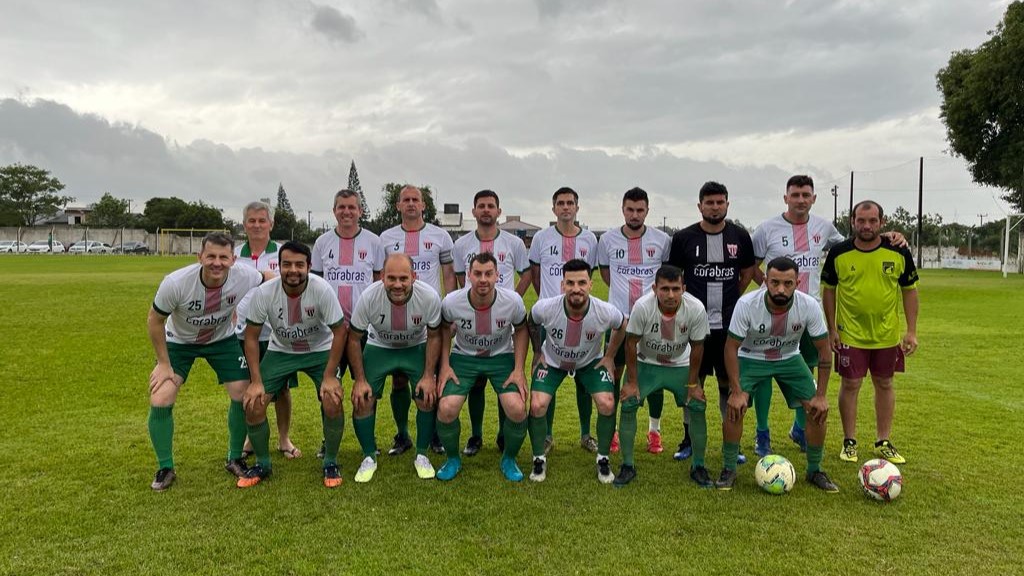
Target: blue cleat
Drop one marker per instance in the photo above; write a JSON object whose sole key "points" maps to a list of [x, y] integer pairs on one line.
{"points": [[683, 452], [763, 443], [797, 435], [450, 469], [741, 458], [511, 470]]}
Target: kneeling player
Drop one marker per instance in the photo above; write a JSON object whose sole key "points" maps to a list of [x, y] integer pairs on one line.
{"points": [[764, 343], [665, 332], [574, 322], [489, 324], [308, 334]]}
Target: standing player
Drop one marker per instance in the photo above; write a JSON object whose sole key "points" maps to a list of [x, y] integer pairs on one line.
{"points": [[430, 249], [191, 318], [629, 257], [402, 316], [308, 334], [260, 252], [574, 323], [510, 253], [550, 250], [764, 343], [866, 278], [717, 259], [489, 324], [666, 333]]}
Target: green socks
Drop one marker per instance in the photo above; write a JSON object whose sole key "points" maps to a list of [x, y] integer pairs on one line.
{"points": [[425, 422], [515, 434], [449, 434], [259, 435], [585, 406], [364, 428], [814, 454], [627, 434], [237, 430], [605, 431], [730, 451], [699, 431], [333, 429], [401, 400], [161, 433], [538, 433], [550, 418], [762, 405], [800, 418]]}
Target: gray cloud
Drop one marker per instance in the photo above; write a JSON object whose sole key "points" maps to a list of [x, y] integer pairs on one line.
{"points": [[336, 26]]}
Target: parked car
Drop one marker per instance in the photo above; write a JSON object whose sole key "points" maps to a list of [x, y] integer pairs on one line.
{"points": [[40, 246], [90, 246], [12, 246], [131, 248]]}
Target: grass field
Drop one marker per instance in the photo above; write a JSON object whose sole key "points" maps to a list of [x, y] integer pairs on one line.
{"points": [[76, 463]]}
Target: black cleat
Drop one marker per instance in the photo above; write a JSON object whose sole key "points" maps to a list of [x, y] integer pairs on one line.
{"points": [[253, 476], [701, 476], [626, 475], [401, 444], [473, 445], [726, 480], [164, 479], [238, 467], [821, 480], [604, 471]]}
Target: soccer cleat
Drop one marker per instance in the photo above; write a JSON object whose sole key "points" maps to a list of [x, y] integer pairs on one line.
{"points": [[626, 475], [654, 442], [726, 480], [701, 476], [366, 470], [886, 450], [253, 476], [400, 445], [500, 442], [604, 471], [821, 480], [435, 445], [799, 437], [763, 443], [614, 448], [473, 445], [849, 451], [588, 443], [164, 479], [511, 470], [549, 445], [424, 469], [238, 467], [741, 458], [448, 470], [684, 451], [540, 470], [332, 476]]}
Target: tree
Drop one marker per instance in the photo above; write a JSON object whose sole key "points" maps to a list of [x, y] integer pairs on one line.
{"points": [[284, 217], [388, 215], [28, 193], [162, 213], [110, 212], [201, 215], [355, 186], [982, 106]]}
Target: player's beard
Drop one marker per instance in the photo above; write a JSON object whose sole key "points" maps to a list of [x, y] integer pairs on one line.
{"points": [[577, 301], [780, 299], [713, 220], [867, 235], [634, 226], [294, 280]]}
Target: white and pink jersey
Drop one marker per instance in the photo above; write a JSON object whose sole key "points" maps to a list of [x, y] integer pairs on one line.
{"points": [[508, 249], [429, 247], [391, 325], [665, 339], [300, 323], [483, 331], [773, 336], [197, 314], [550, 251], [574, 343], [631, 263], [266, 260], [348, 264], [804, 243]]}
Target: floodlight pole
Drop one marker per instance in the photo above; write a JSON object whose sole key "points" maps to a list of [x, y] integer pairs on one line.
{"points": [[835, 206], [920, 212]]}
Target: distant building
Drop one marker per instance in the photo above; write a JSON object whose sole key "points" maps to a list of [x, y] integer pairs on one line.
{"points": [[515, 225], [70, 215], [451, 220]]}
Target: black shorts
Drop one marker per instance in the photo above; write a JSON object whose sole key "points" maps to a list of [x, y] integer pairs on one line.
{"points": [[714, 355]]}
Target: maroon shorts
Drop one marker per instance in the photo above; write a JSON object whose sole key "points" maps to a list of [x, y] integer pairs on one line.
{"points": [[856, 362]]}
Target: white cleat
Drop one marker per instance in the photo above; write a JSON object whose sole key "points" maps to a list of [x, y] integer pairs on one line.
{"points": [[366, 470], [424, 469], [540, 470]]}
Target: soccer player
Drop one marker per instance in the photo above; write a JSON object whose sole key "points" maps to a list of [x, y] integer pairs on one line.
{"points": [[866, 278], [550, 250], [664, 346], [489, 325], [308, 334], [717, 259], [260, 252], [190, 319], [629, 257], [430, 249], [512, 258], [764, 343], [574, 323], [402, 316]]}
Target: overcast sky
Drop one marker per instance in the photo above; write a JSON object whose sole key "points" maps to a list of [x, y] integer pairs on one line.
{"points": [[220, 101]]}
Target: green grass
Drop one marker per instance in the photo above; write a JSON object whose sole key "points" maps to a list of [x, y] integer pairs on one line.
{"points": [[75, 465]]}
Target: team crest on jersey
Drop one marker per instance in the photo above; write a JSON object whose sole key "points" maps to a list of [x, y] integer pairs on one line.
{"points": [[591, 334], [888, 267], [682, 329], [817, 238], [733, 249], [583, 252], [310, 311], [796, 327], [542, 373], [231, 298], [273, 265], [650, 251], [416, 319], [362, 254], [500, 322], [428, 244], [501, 257]]}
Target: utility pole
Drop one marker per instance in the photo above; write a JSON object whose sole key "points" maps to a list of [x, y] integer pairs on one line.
{"points": [[664, 225], [835, 206], [920, 213], [981, 219], [309, 219]]}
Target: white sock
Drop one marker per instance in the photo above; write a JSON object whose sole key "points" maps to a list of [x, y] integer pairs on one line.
{"points": [[654, 425]]}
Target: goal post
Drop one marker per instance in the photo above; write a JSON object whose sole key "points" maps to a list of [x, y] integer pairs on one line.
{"points": [[1012, 221], [166, 239]]}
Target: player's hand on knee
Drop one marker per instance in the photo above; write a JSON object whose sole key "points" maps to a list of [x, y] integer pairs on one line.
{"points": [[695, 393], [737, 406], [426, 390], [817, 409], [159, 377], [255, 397], [330, 391], [360, 395], [629, 390]]}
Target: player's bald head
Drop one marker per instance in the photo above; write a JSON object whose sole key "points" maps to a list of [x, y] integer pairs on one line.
{"points": [[408, 189], [398, 262]]}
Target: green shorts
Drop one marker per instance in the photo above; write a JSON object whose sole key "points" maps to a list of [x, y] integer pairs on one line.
{"points": [[620, 354], [293, 382], [651, 378], [379, 363], [808, 351], [472, 369], [222, 356], [592, 377], [277, 368], [793, 375]]}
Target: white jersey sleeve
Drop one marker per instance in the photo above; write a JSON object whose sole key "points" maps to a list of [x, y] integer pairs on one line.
{"points": [[803, 243], [574, 343], [665, 340], [771, 336], [429, 248], [298, 324], [483, 332], [390, 325], [197, 314], [632, 264], [550, 251], [348, 264]]}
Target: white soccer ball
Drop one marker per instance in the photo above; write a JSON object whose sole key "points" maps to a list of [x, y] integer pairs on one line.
{"points": [[881, 480], [774, 474]]}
